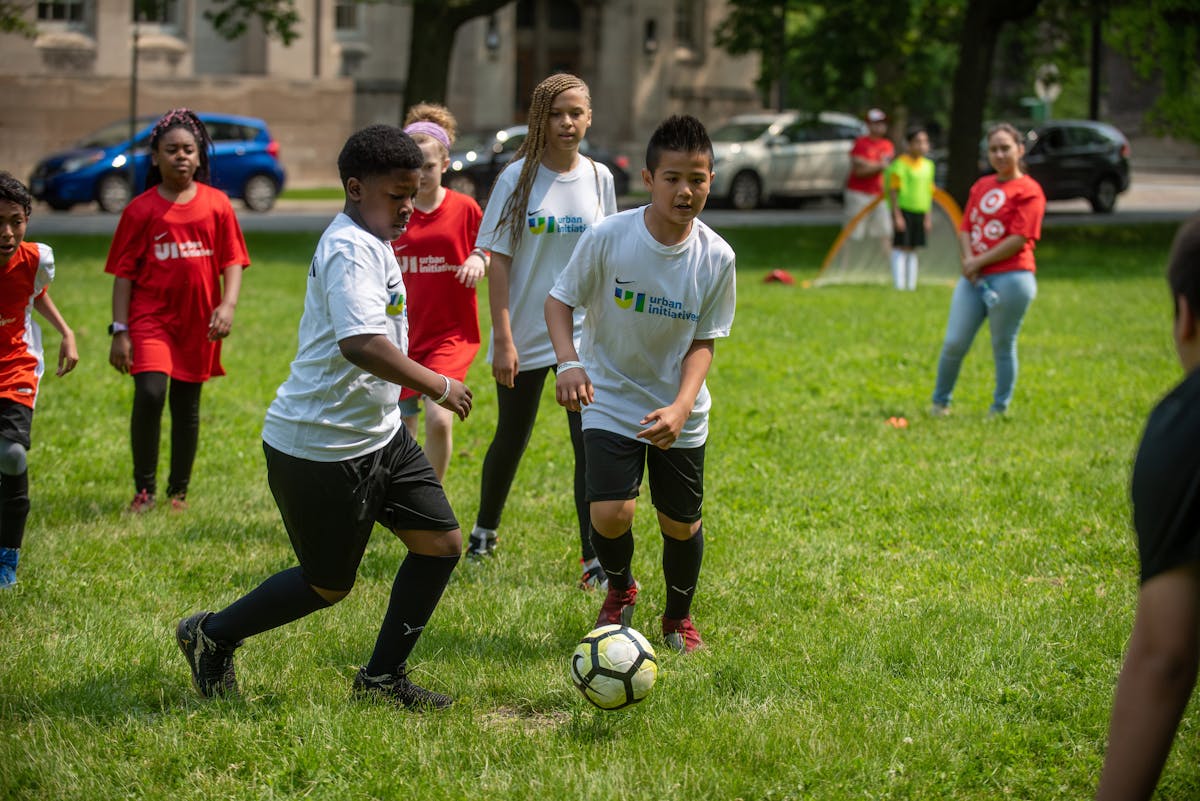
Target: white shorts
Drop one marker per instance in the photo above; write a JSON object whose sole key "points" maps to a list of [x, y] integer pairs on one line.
{"points": [[877, 224]]}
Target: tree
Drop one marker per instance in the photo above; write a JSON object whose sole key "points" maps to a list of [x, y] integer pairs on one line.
{"points": [[13, 18], [431, 39], [1161, 38]]}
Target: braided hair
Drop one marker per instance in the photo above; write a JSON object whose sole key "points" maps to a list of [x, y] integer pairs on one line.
{"points": [[512, 216], [186, 119]]}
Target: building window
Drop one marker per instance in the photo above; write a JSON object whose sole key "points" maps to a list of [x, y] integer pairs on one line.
{"points": [[689, 30], [164, 13], [69, 11], [346, 16]]}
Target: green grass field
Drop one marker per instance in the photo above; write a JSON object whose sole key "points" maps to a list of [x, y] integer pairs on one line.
{"points": [[930, 613]]}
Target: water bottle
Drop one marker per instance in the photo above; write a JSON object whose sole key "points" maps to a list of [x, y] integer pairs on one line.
{"points": [[987, 294]]}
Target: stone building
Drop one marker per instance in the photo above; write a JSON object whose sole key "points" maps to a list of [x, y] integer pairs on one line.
{"points": [[643, 60]]}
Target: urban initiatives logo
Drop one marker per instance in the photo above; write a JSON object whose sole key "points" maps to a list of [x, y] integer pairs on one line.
{"points": [[541, 223], [656, 305]]}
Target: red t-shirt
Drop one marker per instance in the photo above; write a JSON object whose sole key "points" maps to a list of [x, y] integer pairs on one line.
{"points": [[443, 315], [174, 253], [871, 149], [22, 280], [997, 209]]}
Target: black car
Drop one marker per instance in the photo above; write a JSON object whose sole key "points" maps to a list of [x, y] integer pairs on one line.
{"points": [[477, 159], [1079, 158]]}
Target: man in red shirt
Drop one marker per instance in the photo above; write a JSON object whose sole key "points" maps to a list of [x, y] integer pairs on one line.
{"points": [[869, 156]]}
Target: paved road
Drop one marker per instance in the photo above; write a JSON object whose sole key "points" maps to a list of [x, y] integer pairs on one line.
{"points": [[1152, 197]]}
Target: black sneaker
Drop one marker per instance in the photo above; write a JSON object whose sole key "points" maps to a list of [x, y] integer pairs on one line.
{"points": [[481, 543], [211, 661], [396, 688]]}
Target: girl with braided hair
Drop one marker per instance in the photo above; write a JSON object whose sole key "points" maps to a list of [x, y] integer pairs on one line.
{"points": [[541, 204], [172, 247]]}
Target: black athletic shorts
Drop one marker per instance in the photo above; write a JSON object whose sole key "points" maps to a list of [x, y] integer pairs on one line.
{"points": [[16, 421], [330, 508], [913, 235], [614, 473]]}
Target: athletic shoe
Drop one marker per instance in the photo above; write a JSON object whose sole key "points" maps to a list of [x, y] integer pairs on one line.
{"points": [[9, 557], [593, 577], [618, 606], [142, 502], [211, 661], [681, 636], [397, 688], [179, 503], [481, 543], [939, 410]]}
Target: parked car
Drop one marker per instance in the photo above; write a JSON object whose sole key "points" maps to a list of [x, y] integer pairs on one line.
{"points": [[478, 158], [765, 157], [1079, 158], [244, 162]]}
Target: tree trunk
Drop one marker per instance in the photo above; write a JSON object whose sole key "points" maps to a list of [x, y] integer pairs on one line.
{"points": [[972, 79], [435, 24]]}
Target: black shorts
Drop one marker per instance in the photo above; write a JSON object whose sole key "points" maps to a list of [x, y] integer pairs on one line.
{"points": [[913, 235], [16, 421], [614, 473], [330, 508]]}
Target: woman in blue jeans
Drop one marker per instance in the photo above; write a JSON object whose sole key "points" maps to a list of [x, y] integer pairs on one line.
{"points": [[1001, 225]]}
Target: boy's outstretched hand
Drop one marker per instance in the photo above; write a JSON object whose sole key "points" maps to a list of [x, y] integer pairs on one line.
{"points": [[459, 400]]}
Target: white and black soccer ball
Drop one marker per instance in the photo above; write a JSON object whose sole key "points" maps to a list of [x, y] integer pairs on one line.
{"points": [[614, 667]]}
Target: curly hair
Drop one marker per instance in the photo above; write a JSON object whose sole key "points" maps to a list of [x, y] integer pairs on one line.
{"points": [[681, 134], [376, 150], [186, 119], [14, 191], [425, 114], [512, 216]]}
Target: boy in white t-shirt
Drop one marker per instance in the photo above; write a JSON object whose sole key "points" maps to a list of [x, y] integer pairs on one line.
{"points": [[658, 287], [339, 459]]}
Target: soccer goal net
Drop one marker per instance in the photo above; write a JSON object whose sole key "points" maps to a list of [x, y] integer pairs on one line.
{"points": [[856, 258]]}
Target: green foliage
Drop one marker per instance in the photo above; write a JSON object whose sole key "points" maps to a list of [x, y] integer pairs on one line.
{"points": [[935, 612], [1162, 40], [14, 18], [278, 17]]}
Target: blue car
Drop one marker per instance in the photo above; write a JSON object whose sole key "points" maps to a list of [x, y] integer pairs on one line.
{"points": [[244, 162]]}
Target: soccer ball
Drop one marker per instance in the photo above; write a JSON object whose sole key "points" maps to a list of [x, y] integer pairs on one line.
{"points": [[614, 667]]}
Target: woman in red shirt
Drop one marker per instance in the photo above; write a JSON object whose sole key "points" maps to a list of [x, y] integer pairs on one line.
{"points": [[1002, 224], [173, 245]]}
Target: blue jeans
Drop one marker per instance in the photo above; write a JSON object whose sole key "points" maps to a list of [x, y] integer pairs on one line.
{"points": [[967, 313]]}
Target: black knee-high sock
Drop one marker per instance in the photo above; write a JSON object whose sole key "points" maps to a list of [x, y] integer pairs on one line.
{"points": [[416, 591], [14, 508], [282, 598], [616, 557], [681, 568]]}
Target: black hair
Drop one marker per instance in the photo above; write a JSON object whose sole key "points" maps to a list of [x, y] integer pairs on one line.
{"points": [[682, 134], [14, 191], [187, 119], [914, 131], [1183, 267], [376, 150]]}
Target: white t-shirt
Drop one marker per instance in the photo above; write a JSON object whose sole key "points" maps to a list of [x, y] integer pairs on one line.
{"points": [[561, 207], [329, 410], [646, 303]]}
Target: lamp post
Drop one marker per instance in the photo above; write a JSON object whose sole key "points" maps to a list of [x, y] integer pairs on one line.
{"points": [[133, 87]]}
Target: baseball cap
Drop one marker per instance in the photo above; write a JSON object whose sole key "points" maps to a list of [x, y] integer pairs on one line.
{"points": [[876, 115]]}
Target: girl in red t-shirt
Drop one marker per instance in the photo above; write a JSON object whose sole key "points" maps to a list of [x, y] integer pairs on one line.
{"points": [[440, 272], [1002, 223], [173, 245]]}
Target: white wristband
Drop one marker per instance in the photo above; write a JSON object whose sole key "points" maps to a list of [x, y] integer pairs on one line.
{"points": [[572, 365], [445, 394]]}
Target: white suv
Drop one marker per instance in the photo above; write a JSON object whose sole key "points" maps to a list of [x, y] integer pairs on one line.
{"points": [[762, 157]]}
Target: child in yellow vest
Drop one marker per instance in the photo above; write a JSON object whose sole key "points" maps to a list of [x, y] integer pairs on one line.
{"points": [[909, 185]]}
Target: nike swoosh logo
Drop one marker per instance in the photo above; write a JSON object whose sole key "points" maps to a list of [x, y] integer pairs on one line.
{"points": [[160, 236], [630, 281], [393, 286], [398, 248]]}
